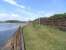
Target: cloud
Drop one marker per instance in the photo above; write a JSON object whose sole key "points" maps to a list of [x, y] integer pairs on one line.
{"points": [[6, 16], [13, 2], [23, 13]]}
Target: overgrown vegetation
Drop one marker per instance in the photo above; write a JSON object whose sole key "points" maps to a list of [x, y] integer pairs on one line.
{"points": [[58, 20], [45, 38]]}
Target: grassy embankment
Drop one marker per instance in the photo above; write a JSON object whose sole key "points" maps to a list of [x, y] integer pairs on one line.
{"points": [[44, 38]]}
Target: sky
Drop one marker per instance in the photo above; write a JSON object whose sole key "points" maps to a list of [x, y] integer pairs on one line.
{"points": [[25, 10]]}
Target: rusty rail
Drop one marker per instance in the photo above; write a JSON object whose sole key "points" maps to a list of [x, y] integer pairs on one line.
{"points": [[18, 40]]}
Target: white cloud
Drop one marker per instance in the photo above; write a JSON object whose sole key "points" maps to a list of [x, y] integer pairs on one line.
{"points": [[6, 16], [13, 2], [23, 13]]}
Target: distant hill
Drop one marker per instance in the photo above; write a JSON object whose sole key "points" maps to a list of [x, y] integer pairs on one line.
{"points": [[15, 21]]}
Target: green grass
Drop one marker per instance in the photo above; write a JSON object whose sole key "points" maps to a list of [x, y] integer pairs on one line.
{"points": [[44, 38]]}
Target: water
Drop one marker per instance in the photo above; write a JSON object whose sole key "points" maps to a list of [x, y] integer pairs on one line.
{"points": [[6, 31]]}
